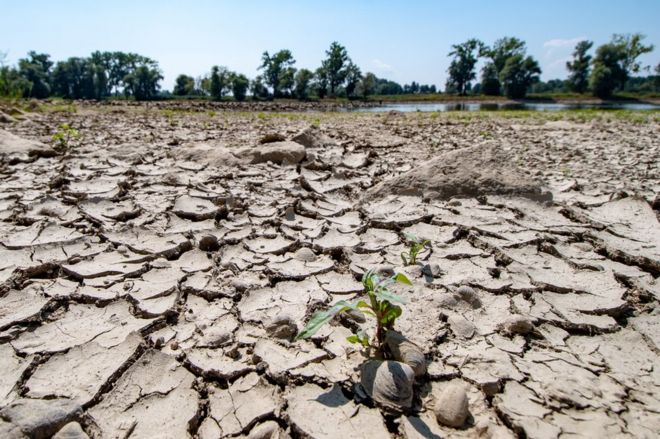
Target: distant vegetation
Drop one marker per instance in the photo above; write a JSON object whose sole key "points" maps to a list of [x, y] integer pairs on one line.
{"points": [[507, 71]]}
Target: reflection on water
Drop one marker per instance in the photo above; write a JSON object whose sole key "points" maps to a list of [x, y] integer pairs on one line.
{"points": [[533, 106]]}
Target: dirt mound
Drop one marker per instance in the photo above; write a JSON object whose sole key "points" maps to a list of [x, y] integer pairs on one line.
{"points": [[18, 149], [285, 152], [467, 172]]}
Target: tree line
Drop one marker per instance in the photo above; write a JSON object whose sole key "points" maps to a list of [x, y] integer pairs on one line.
{"points": [[508, 70], [336, 76]]}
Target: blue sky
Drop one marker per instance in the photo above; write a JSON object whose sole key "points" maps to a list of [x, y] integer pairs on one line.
{"points": [[400, 40]]}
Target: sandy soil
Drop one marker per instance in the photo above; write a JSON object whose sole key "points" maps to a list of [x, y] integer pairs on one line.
{"points": [[152, 277]]}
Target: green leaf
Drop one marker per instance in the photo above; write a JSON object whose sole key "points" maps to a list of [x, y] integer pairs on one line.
{"points": [[320, 318], [353, 339], [391, 314], [385, 294], [402, 279], [410, 237]]}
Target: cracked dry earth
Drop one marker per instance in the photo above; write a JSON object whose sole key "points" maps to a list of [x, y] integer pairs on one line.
{"points": [[152, 278]]}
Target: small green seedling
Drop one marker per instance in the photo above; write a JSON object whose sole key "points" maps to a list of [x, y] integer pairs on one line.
{"points": [[416, 247], [63, 136], [380, 303]]}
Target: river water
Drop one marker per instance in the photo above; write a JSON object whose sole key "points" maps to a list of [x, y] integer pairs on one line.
{"points": [[533, 106]]}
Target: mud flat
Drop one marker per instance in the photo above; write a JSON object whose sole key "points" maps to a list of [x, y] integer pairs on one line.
{"points": [[153, 276]]}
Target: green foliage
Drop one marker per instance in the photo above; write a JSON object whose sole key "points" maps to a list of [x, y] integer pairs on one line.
{"points": [[490, 81], [36, 71], [320, 82], [335, 66], [278, 71], [303, 81], [461, 70], [353, 77], [239, 86], [367, 85], [62, 137], [632, 47], [258, 89], [518, 75], [502, 50], [579, 67], [416, 246], [380, 303], [143, 82], [608, 72], [220, 80], [184, 86]]}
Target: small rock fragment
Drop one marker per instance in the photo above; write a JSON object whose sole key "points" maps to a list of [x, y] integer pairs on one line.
{"points": [[517, 324], [209, 243], [451, 407], [406, 351], [388, 383], [72, 430], [282, 326]]}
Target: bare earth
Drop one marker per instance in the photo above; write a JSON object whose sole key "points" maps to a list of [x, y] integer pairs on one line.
{"points": [[153, 277]]}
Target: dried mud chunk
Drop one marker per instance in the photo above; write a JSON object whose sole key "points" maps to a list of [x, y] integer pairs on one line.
{"points": [[37, 419], [12, 367], [18, 149], [327, 414], [195, 209], [281, 359], [276, 246], [153, 398], [388, 383], [276, 152], [215, 363], [19, 306], [525, 411], [247, 401], [38, 234], [294, 269], [80, 373], [72, 430], [463, 173], [107, 326]]}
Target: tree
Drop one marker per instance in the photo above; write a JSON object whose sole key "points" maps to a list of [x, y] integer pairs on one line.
{"points": [[353, 76], [502, 50], [490, 81], [656, 79], [367, 85], [219, 82], [278, 70], [518, 74], [631, 48], [579, 77], [184, 86], [320, 82], [461, 70], [303, 80], [239, 86], [608, 72], [143, 82], [335, 66], [36, 71], [257, 88]]}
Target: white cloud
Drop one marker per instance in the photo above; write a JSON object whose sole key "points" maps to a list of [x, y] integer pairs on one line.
{"points": [[559, 42], [382, 66]]}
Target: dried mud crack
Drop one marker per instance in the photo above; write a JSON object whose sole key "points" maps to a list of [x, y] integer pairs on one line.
{"points": [[153, 277]]}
